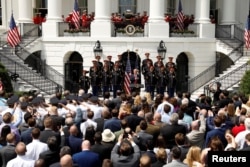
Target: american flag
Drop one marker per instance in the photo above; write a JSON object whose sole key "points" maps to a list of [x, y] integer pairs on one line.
{"points": [[13, 37], [247, 33], [76, 15], [180, 17], [127, 77]]}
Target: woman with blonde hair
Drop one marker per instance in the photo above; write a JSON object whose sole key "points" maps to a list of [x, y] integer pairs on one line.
{"points": [[193, 157], [161, 156]]}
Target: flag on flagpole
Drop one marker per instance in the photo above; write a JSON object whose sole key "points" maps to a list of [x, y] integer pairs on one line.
{"points": [[247, 33], [13, 36], [127, 81], [180, 17], [76, 15]]}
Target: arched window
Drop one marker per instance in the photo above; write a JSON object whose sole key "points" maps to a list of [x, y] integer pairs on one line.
{"points": [[127, 5]]}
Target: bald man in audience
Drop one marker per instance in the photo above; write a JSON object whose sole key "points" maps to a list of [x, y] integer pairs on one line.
{"points": [[66, 161], [73, 141], [198, 129], [21, 160], [86, 158], [145, 161]]}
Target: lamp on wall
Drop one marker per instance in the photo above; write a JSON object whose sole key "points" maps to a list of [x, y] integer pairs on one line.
{"points": [[98, 48], [162, 50]]}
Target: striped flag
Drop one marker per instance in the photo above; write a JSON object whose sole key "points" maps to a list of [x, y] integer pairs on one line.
{"points": [[247, 33], [180, 17], [76, 15], [13, 37], [127, 81]]}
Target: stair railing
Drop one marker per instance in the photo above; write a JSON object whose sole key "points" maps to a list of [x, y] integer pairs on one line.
{"points": [[29, 75], [222, 32]]}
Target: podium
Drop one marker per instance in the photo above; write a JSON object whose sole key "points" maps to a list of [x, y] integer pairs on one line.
{"points": [[136, 86]]}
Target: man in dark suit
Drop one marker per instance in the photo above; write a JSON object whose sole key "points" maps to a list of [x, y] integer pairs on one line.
{"points": [[99, 148], [176, 154], [86, 158], [7, 153], [142, 137], [73, 141], [169, 131], [114, 124], [135, 80], [100, 121], [52, 155], [47, 132], [217, 131], [133, 119]]}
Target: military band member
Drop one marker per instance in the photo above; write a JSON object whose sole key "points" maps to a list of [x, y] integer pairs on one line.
{"points": [[106, 79], [171, 82], [95, 78], [146, 61], [150, 81], [170, 64], [84, 81], [146, 68], [121, 63], [161, 81], [158, 61], [117, 79], [110, 63], [99, 63]]}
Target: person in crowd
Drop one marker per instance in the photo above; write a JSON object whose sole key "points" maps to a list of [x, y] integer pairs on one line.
{"points": [[4, 133], [52, 155], [114, 124], [198, 128], [35, 148], [73, 141], [89, 122], [181, 142], [176, 154], [26, 136], [125, 152], [240, 137], [145, 161], [86, 158], [84, 81], [161, 156], [193, 157], [21, 160], [8, 152]]}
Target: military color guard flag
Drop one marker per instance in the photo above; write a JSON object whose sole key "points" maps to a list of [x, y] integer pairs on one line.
{"points": [[247, 33], [76, 15], [13, 37]]}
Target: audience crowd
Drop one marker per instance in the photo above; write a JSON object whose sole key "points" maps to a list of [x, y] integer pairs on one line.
{"points": [[128, 130]]}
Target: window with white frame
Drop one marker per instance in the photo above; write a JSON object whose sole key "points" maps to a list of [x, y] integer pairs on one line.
{"points": [[127, 5]]}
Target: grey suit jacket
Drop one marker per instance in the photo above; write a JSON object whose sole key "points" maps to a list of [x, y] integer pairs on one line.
{"points": [[125, 161], [196, 137], [175, 163]]}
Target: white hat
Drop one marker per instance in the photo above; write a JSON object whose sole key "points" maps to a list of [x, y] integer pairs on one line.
{"points": [[107, 135]]}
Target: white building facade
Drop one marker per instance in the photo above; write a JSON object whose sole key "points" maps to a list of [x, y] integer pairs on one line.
{"points": [[199, 52]]}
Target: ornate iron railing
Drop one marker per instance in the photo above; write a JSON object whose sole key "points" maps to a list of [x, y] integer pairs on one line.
{"points": [[223, 32]]}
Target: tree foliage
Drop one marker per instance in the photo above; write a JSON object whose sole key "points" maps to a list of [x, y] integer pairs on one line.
{"points": [[245, 83]]}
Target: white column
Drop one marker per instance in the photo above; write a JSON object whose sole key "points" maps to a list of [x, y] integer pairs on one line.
{"points": [[55, 10], [156, 11], [101, 26], [203, 27], [156, 26], [228, 12], [202, 11], [54, 16], [25, 11]]}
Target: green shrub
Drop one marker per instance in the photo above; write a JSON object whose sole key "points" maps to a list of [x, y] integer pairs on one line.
{"points": [[245, 83]]}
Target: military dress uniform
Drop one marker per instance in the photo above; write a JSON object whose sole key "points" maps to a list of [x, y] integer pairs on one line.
{"points": [[105, 79], [150, 81], [95, 80], [84, 83], [117, 79], [171, 82], [162, 79]]}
